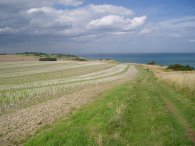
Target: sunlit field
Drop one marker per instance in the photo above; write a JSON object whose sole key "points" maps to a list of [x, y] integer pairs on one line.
{"points": [[97, 73], [143, 111], [51, 88], [94, 103], [27, 83]]}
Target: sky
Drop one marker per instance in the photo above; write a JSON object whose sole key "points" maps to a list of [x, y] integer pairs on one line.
{"points": [[97, 26]]}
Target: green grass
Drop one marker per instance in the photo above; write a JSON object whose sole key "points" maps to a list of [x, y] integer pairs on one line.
{"points": [[133, 113]]}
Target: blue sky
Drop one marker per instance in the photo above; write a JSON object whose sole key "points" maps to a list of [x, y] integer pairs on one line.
{"points": [[97, 26]]}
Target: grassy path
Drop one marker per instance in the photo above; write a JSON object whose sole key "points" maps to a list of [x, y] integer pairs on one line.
{"points": [[182, 108], [141, 112]]}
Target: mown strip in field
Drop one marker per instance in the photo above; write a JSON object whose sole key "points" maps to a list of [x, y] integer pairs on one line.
{"points": [[21, 71], [57, 90], [30, 69], [134, 113], [12, 65], [89, 76], [16, 96], [55, 74]]}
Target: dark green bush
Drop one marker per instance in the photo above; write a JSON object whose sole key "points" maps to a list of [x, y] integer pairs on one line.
{"points": [[79, 59], [179, 67], [151, 62], [47, 59]]}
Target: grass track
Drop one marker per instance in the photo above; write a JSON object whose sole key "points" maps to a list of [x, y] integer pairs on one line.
{"points": [[134, 113]]}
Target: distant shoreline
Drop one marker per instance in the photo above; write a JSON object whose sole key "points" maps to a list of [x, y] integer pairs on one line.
{"points": [[142, 58], [164, 59]]}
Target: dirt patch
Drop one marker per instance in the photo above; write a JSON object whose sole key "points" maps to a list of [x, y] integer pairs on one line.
{"points": [[16, 127]]}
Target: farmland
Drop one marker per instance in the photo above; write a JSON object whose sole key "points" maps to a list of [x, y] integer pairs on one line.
{"points": [[40, 81], [48, 90], [94, 103], [143, 111]]}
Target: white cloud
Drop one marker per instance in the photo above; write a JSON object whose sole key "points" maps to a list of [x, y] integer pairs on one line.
{"points": [[145, 31], [30, 20], [138, 21], [87, 20], [116, 22], [110, 9], [175, 28], [71, 2], [108, 21], [47, 17], [7, 30], [180, 27]]}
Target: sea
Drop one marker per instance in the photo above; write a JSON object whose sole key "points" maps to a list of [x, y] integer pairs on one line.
{"points": [[143, 58]]}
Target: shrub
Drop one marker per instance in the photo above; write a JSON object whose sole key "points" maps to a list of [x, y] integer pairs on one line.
{"points": [[79, 59], [151, 62], [179, 67], [47, 59]]}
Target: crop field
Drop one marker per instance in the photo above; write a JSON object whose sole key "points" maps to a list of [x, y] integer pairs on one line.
{"points": [[33, 94], [95, 103], [141, 112]]}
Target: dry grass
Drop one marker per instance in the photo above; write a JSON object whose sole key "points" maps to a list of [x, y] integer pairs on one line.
{"points": [[180, 80], [155, 68]]}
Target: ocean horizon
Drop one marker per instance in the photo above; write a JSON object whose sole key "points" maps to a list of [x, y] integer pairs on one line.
{"points": [[143, 58]]}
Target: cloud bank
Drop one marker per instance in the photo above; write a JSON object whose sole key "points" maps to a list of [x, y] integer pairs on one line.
{"points": [[76, 24], [42, 19]]}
